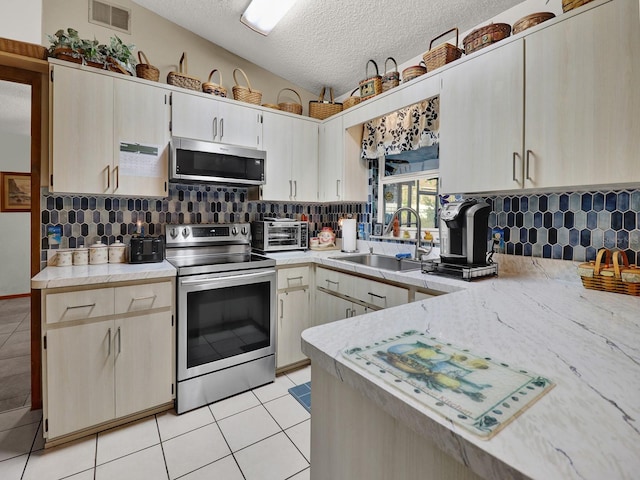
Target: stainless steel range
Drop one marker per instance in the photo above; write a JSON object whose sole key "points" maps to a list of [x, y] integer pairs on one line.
{"points": [[226, 310]]}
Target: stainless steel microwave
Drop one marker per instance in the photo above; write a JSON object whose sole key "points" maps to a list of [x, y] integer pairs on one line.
{"points": [[200, 161], [279, 235]]}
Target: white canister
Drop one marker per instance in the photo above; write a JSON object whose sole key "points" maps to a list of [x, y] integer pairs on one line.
{"points": [[117, 252], [64, 258], [81, 256], [98, 254]]}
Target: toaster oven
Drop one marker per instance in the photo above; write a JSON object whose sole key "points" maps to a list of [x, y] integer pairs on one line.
{"points": [[279, 235]]}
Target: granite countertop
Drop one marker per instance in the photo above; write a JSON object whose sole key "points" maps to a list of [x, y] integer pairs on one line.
{"points": [[55, 277], [535, 315]]}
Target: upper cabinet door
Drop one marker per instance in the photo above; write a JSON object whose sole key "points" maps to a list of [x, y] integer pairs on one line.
{"points": [[277, 131], [331, 160], [481, 122], [304, 161], [583, 100], [239, 125], [141, 117], [194, 117], [81, 131]]}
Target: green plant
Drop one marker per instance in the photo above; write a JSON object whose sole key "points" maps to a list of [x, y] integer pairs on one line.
{"points": [[120, 51], [65, 39]]}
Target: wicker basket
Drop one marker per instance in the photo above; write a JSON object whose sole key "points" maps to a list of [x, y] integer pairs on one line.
{"points": [[290, 107], [321, 108], [390, 79], [443, 53], [245, 94], [571, 4], [531, 21], [351, 101], [371, 86], [412, 72], [485, 36], [23, 48], [145, 70], [113, 65], [214, 88], [271, 105], [68, 55], [607, 272], [181, 79]]}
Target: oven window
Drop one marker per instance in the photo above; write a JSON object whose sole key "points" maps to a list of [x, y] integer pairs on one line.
{"points": [[225, 322]]}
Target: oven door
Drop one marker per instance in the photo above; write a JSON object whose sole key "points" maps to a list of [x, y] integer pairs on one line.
{"points": [[225, 319]]}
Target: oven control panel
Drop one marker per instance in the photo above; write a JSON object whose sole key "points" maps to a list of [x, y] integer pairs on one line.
{"points": [[208, 233]]}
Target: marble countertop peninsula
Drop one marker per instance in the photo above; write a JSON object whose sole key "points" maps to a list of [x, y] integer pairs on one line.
{"points": [[535, 315], [55, 277]]}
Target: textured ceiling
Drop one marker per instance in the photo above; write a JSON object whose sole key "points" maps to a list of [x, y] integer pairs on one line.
{"points": [[328, 42]]}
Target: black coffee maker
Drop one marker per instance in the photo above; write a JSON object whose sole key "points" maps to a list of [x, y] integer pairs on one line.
{"points": [[464, 232]]}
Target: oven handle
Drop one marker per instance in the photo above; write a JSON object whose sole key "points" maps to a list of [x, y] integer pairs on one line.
{"points": [[197, 281]]}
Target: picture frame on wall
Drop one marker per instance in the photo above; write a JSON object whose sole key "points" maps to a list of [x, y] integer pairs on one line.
{"points": [[15, 192]]}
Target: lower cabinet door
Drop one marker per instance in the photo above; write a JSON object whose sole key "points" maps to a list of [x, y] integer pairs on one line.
{"points": [[143, 359], [80, 377], [330, 308], [293, 318]]}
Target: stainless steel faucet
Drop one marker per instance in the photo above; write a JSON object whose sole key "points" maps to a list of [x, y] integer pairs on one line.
{"points": [[419, 251]]}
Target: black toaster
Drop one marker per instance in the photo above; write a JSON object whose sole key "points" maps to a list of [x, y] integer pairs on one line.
{"points": [[146, 249]]}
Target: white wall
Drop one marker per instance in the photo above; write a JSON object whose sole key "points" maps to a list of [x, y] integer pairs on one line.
{"points": [[21, 20], [15, 226]]}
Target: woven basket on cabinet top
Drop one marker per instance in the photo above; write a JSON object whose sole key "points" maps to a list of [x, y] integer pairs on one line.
{"points": [[290, 107], [214, 88], [531, 21], [485, 36], [443, 53], [321, 108], [352, 100], [181, 79], [571, 4], [413, 71], [390, 79], [245, 94], [145, 70], [371, 86]]}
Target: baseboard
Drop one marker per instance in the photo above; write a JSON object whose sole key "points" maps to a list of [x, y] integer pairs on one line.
{"points": [[19, 295]]}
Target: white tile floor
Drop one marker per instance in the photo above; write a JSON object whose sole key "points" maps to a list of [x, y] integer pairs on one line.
{"points": [[15, 353], [263, 434]]}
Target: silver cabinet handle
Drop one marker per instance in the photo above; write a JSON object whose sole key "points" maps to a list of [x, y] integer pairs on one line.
{"points": [[335, 283], [108, 177], [88, 305], [116, 170], [109, 343], [215, 127], [295, 189], [290, 189], [528, 162], [281, 308], [513, 166], [221, 128], [138, 299], [119, 341], [290, 279], [381, 297], [347, 313], [338, 188]]}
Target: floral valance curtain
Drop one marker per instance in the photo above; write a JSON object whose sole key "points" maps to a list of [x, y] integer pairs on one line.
{"points": [[407, 129]]}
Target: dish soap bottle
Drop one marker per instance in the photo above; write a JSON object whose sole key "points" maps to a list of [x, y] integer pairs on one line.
{"points": [[396, 227]]}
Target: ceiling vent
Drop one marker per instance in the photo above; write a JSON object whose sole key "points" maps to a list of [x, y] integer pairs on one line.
{"points": [[110, 15]]}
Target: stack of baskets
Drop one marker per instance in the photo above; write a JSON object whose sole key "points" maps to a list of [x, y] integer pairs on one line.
{"points": [[485, 36], [245, 94], [611, 272], [181, 79], [442, 54]]}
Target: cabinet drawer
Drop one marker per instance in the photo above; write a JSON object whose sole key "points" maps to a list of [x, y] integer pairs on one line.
{"points": [[69, 306], [380, 294], [143, 297], [335, 281], [293, 277]]}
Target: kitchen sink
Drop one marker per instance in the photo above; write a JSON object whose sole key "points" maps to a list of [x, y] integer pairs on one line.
{"points": [[383, 262]]}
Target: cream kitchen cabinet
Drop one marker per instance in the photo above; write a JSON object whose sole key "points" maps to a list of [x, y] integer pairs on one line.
{"points": [[91, 114], [556, 108], [294, 313], [204, 117], [342, 174], [108, 353], [341, 295], [292, 158]]}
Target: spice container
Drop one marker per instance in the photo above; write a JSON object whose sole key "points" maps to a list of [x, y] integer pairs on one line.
{"points": [[117, 252], [64, 258], [98, 254], [81, 256]]}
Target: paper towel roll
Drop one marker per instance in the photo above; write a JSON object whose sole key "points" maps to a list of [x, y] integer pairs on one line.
{"points": [[349, 235]]}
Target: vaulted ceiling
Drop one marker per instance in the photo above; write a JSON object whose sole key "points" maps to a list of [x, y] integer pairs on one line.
{"points": [[329, 42]]}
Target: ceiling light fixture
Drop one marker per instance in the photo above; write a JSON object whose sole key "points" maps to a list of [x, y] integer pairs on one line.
{"points": [[262, 15]]}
